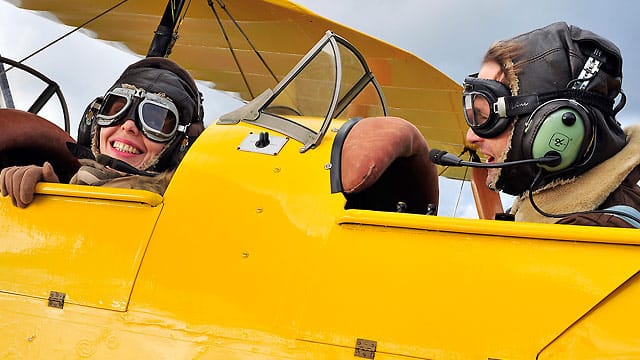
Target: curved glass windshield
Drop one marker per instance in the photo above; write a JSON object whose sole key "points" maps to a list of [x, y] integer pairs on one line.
{"points": [[331, 81], [356, 101], [311, 91]]}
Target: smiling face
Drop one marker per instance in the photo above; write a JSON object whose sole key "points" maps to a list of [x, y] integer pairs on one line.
{"points": [[494, 149], [127, 143]]}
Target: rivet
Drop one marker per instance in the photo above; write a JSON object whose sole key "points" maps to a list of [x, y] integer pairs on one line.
{"points": [[276, 170], [245, 254], [327, 166], [258, 210]]}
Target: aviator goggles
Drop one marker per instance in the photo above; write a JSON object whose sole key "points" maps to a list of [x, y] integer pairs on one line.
{"points": [[484, 106], [489, 106], [156, 115]]}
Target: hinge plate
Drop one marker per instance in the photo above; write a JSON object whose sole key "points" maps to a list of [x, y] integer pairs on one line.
{"points": [[365, 348], [56, 299]]}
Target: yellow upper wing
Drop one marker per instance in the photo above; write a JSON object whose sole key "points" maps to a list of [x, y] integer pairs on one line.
{"points": [[281, 32]]}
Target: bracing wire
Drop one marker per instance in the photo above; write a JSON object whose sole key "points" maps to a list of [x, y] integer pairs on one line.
{"points": [[224, 7], [72, 31], [455, 208], [233, 54], [184, 14], [178, 20], [472, 157]]}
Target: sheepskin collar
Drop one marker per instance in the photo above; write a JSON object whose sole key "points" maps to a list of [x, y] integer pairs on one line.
{"points": [[585, 192]]}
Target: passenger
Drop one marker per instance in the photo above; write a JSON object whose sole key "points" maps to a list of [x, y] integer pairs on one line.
{"points": [[550, 92], [142, 128]]}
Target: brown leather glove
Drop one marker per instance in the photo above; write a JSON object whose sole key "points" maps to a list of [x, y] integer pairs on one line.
{"points": [[19, 182]]}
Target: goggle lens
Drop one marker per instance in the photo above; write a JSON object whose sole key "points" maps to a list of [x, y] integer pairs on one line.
{"points": [[477, 109], [113, 105], [158, 118]]}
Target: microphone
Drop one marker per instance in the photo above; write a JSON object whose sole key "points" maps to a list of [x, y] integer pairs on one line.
{"points": [[440, 157]]}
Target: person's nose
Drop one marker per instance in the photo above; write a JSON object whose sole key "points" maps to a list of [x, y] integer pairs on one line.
{"points": [[472, 138], [129, 126]]}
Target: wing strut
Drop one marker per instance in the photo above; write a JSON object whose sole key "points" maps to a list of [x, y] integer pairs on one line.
{"points": [[165, 36]]}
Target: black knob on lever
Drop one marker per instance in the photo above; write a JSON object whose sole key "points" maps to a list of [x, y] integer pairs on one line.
{"points": [[263, 140]]}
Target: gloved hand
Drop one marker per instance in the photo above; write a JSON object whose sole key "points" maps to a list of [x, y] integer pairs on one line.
{"points": [[20, 182]]}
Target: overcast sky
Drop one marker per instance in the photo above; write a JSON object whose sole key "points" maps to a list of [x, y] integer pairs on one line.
{"points": [[452, 35]]}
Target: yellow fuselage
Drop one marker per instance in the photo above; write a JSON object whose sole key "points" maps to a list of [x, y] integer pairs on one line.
{"points": [[250, 256]]}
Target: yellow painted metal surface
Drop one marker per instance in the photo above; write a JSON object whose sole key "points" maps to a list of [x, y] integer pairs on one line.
{"points": [[250, 256], [282, 32], [104, 193], [608, 331], [87, 248]]}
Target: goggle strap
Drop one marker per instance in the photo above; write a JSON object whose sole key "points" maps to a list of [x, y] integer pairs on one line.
{"points": [[509, 106]]}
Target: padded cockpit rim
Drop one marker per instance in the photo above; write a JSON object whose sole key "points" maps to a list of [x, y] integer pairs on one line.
{"points": [[335, 173]]}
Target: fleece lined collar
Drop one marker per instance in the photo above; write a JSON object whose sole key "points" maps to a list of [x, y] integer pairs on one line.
{"points": [[585, 192]]}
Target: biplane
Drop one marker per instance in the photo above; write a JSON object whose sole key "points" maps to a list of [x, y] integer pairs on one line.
{"points": [[269, 242]]}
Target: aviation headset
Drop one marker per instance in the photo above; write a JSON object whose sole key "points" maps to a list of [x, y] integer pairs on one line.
{"points": [[558, 122], [562, 126]]}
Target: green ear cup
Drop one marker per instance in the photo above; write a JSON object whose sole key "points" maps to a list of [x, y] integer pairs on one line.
{"points": [[562, 130]]}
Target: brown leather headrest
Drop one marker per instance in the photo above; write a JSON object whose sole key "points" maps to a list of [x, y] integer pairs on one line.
{"points": [[28, 139], [389, 158]]}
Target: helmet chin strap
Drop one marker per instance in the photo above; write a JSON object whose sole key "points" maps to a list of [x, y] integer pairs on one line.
{"points": [[120, 165], [151, 163]]}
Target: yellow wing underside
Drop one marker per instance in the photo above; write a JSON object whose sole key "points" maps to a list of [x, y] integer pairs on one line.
{"points": [[281, 32]]}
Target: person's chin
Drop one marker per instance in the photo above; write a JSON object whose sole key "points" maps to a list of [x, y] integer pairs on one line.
{"points": [[131, 159], [492, 178]]}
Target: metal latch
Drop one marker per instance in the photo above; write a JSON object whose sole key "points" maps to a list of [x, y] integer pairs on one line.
{"points": [[365, 348], [263, 143], [56, 299]]}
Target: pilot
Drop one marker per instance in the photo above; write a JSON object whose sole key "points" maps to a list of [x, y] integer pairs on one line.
{"points": [[550, 94], [132, 137]]}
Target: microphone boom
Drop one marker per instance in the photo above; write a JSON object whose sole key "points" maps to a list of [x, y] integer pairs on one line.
{"points": [[441, 157]]}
